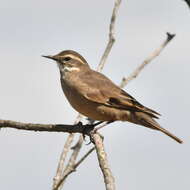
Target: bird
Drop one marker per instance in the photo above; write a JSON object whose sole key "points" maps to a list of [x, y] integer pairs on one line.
{"points": [[95, 96]]}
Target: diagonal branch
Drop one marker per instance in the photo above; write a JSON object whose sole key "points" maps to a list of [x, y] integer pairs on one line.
{"points": [[152, 56], [72, 160], [60, 167], [66, 149], [73, 168], [111, 36], [103, 162]]}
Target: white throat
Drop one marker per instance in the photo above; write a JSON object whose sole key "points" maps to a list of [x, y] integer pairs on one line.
{"points": [[65, 70]]}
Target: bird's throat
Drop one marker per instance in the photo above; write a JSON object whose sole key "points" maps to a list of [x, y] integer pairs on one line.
{"points": [[66, 70]]}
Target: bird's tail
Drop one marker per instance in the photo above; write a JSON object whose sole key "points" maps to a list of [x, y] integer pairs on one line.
{"points": [[149, 122]]}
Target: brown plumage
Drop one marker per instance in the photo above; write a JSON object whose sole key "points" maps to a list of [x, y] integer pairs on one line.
{"points": [[97, 97]]}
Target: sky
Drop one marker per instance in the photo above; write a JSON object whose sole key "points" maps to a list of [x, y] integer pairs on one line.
{"points": [[31, 92]]}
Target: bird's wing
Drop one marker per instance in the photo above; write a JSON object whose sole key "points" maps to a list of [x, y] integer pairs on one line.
{"points": [[102, 90], [126, 101]]}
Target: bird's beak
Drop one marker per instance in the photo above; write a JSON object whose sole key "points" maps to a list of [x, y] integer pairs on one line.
{"points": [[50, 57]]}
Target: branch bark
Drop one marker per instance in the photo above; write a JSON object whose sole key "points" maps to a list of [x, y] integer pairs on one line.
{"points": [[152, 56], [71, 163], [103, 162], [111, 36], [77, 128], [61, 163], [72, 169], [66, 149]]}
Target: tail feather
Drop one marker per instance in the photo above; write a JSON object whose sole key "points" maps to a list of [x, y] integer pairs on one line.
{"points": [[147, 121]]}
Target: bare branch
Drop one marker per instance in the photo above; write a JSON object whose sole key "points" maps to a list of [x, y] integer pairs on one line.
{"points": [[72, 160], [103, 162], [73, 168], [84, 157], [66, 148], [155, 53], [63, 156], [111, 36], [77, 128]]}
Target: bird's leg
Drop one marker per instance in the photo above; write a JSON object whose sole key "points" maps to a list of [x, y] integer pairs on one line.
{"points": [[94, 130], [89, 129], [84, 130]]}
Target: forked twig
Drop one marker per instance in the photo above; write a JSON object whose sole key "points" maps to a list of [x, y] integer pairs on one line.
{"points": [[66, 149], [72, 169], [63, 156]]}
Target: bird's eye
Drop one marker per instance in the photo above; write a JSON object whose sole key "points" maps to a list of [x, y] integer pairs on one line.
{"points": [[66, 59]]}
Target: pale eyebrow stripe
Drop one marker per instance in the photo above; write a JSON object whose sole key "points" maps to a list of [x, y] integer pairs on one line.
{"points": [[74, 57]]}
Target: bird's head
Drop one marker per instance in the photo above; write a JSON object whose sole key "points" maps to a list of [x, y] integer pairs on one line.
{"points": [[69, 61]]}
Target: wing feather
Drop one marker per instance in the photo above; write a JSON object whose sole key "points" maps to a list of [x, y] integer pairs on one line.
{"points": [[102, 90]]}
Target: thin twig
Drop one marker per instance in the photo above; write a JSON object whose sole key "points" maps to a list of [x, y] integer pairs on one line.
{"points": [[111, 36], [63, 156], [103, 162], [73, 168], [154, 54], [72, 160], [84, 157], [66, 148]]}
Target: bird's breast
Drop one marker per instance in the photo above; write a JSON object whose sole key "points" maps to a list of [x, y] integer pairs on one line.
{"points": [[80, 103], [88, 108]]}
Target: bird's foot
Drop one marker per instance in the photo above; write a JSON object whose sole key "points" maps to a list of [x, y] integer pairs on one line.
{"points": [[89, 130]]}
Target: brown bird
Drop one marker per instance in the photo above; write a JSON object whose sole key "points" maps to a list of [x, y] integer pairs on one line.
{"points": [[97, 97]]}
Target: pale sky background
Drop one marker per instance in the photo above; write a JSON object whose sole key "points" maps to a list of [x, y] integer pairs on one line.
{"points": [[30, 90]]}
